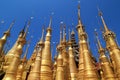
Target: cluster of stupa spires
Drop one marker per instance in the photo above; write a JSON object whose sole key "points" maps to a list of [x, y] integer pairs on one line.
{"points": [[41, 67]]}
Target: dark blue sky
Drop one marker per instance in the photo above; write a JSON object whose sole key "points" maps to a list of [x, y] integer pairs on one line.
{"points": [[62, 11]]}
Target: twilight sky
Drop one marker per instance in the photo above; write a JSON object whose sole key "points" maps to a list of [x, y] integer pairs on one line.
{"points": [[62, 11]]}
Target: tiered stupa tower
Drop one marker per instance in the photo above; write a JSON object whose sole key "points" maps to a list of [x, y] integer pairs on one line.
{"points": [[86, 65], [106, 68], [72, 64], [9, 56], [112, 47], [4, 38], [60, 66], [35, 72], [12, 70], [46, 62]]}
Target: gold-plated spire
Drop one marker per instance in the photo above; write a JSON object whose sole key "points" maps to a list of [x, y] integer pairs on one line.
{"points": [[35, 72], [26, 30], [72, 65], [4, 38], [104, 24], [9, 56], [80, 27], [86, 66], [113, 49], [98, 42], [12, 70], [65, 54], [105, 65], [46, 62]]}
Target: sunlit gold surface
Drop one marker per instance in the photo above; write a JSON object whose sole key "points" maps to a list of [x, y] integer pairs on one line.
{"points": [[107, 71], [46, 62], [112, 47], [72, 64], [86, 66]]}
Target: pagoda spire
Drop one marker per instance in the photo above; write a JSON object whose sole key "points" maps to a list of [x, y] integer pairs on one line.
{"points": [[65, 54], [12, 70], [9, 56], [104, 24], [108, 73], [4, 38], [86, 66], [26, 30], [113, 49], [98, 42], [35, 72], [46, 62], [72, 64]]}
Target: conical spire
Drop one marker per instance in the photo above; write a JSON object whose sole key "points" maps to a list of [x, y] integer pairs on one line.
{"points": [[72, 65], [35, 72], [80, 26], [26, 30], [104, 24], [23, 30], [46, 62], [4, 38], [86, 65], [9, 56], [98, 42], [105, 65]]}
